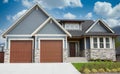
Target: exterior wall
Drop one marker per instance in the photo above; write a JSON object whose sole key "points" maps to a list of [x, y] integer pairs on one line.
{"points": [[103, 54], [30, 23], [98, 28], [51, 28], [87, 50]]}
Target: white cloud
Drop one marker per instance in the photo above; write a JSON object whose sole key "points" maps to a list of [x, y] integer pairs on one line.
{"points": [[113, 22], [89, 15], [14, 17], [5, 1], [69, 16], [110, 14], [105, 9], [53, 3]]}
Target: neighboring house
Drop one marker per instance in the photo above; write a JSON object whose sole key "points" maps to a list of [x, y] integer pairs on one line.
{"points": [[38, 37]]}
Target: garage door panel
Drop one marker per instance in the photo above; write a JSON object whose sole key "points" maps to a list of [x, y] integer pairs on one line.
{"points": [[21, 51], [51, 51]]}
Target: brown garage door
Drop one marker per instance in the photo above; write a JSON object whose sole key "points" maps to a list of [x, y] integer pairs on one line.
{"points": [[51, 51], [21, 51]]}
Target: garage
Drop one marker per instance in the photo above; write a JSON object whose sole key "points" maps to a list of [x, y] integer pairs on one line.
{"points": [[51, 51], [21, 51]]}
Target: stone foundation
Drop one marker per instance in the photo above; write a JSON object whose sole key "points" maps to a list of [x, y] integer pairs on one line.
{"points": [[108, 54]]}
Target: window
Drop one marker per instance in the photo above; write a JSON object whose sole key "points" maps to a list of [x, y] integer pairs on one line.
{"points": [[107, 43], [95, 43], [101, 43], [72, 26]]}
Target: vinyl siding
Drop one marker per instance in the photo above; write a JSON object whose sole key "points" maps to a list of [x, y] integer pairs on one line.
{"points": [[98, 28], [51, 28], [31, 22]]}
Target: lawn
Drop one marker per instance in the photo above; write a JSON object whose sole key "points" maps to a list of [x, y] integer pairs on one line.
{"points": [[94, 67]]}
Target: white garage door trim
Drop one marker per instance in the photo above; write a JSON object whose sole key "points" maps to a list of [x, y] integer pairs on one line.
{"points": [[52, 39], [9, 44]]}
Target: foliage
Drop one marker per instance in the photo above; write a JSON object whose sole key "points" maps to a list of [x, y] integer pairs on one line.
{"points": [[117, 43], [98, 66]]}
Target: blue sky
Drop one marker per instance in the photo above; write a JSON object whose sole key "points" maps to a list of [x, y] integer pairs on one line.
{"points": [[108, 10]]}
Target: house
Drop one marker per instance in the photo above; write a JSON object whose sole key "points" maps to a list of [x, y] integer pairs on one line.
{"points": [[38, 37]]}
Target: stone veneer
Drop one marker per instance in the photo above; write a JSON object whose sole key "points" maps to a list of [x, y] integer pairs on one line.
{"points": [[6, 56], [103, 54]]}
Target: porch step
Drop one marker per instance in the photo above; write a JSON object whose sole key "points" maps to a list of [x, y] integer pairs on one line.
{"points": [[76, 59]]}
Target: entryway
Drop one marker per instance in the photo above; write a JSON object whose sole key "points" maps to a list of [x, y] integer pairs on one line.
{"points": [[74, 50]]}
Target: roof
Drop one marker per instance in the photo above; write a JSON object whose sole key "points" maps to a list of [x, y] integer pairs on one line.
{"points": [[86, 25], [39, 27]]}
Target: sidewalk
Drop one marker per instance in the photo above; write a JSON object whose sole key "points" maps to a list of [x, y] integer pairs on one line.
{"points": [[38, 68]]}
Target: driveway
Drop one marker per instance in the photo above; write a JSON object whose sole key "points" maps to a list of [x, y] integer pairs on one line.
{"points": [[38, 68]]}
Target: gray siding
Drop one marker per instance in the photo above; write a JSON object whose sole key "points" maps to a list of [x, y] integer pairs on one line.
{"points": [[31, 22], [87, 43], [98, 28], [51, 28]]}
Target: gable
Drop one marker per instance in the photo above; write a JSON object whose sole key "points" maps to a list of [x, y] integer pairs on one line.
{"points": [[100, 26], [51, 28], [31, 21]]}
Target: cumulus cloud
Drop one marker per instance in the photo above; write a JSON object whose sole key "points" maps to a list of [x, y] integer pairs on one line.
{"points": [[5, 1], [110, 14], [89, 15], [112, 22], [14, 17], [53, 3], [69, 16], [106, 9]]}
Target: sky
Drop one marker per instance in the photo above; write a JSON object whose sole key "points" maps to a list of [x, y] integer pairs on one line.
{"points": [[107, 10]]}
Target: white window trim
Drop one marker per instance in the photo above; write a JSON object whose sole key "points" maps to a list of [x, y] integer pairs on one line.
{"points": [[9, 43], [69, 24], [39, 39], [98, 45]]}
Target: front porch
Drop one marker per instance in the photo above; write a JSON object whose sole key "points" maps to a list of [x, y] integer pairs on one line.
{"points": [[76, 51]]}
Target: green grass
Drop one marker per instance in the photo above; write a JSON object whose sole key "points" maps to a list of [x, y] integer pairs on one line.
{"points": [[96, 65]]}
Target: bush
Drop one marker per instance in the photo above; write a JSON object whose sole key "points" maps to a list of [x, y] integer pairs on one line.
{"points": [[118, 69], [94, 70], [86, 71], [108, 70], [101, 70], [114, 70]]}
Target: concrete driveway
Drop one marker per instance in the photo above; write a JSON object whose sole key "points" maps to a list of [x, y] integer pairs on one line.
{"points": [[38, 68]]}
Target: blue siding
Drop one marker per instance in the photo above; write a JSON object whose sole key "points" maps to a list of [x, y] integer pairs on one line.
{"points": [[87, 43], [30, 23], [98, 28], [51, 28], [81, 44]]}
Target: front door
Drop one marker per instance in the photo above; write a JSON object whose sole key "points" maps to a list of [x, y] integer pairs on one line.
{"points": [[72, 49]]}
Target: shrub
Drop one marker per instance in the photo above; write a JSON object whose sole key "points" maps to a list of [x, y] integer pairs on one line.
{"points": [[94, 70], [114, 70], [118, 69], [101, 70], [108, 70], [86, 71]]}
